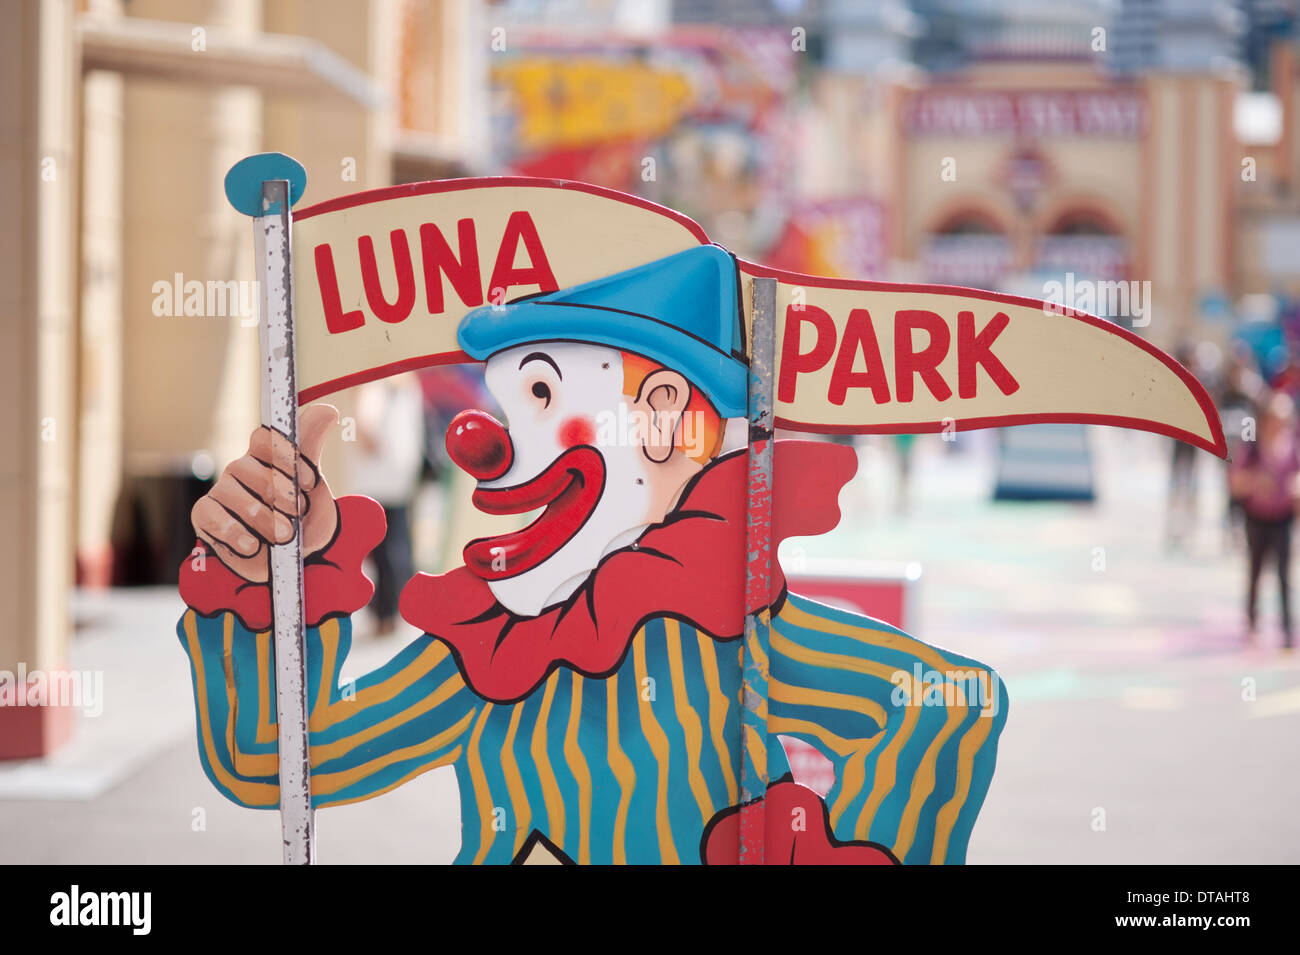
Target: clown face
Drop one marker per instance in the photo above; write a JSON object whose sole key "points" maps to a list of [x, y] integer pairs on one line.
{"points": [[602, 465]]}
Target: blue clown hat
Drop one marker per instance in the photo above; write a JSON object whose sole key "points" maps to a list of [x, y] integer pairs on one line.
{"points": [[682, 311]]}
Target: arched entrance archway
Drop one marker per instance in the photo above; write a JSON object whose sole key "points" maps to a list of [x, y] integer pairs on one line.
{"points": [[1086, 240], [968, 247]]}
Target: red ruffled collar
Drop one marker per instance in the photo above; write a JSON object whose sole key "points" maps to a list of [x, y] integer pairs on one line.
{"points": [[695, 559]]}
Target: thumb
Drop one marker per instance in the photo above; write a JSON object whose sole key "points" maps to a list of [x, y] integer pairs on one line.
{"points": [[314, 425]]}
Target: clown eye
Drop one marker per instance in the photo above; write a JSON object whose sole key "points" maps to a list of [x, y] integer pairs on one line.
{"points": [[543, 391]]}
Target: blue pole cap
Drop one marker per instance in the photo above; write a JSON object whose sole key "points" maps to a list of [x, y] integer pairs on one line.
{"points": [[245, 178]]}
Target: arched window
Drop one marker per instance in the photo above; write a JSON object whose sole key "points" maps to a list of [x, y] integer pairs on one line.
{"points": [[1085, 241], [968, 247], [1082, 222], [971, 222]]}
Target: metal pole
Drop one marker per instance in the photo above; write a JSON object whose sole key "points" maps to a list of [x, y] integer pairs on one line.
{"points": [[273, 239], [758, 576]]}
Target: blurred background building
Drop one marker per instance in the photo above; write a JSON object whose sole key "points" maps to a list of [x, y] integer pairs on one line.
{"points": [[974, 142]]}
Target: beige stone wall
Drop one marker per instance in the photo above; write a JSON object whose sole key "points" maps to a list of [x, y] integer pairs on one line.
{"points": [[1170, 193], [343, 146], [189, 380], [1085, 174], [1268, 246], [335, 137], [162, 393], [100, 339], [1286, 84], [38, 185], [444, 60], [1188, 209]]}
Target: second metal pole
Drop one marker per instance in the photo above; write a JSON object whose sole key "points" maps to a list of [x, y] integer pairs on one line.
{"points": [[758, 576]]}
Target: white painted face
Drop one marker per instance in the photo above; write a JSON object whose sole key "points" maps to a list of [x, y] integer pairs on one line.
{"points": [[558, 397]]}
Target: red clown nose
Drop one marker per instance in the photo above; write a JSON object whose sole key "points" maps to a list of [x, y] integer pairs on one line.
{"points": [[479, 445]]}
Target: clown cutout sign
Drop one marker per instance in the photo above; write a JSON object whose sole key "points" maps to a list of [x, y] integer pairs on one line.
{"points": [[611, 682]]}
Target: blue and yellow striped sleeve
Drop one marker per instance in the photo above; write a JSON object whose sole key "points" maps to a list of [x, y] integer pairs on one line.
{"points": [[367, 736], [911, 730]]}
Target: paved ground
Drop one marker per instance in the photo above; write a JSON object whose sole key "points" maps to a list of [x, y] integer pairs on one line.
{"points": [[1142, 728]]}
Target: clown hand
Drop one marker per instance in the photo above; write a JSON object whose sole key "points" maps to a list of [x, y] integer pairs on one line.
{"points": [[256, 500]]}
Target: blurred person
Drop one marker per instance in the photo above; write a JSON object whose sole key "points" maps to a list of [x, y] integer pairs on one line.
{"points": [[387, 466], [1265, 479], [1287, 379], [1240, 392]]}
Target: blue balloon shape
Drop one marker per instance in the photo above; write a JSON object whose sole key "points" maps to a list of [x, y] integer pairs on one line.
{"points": [[245, 178]]}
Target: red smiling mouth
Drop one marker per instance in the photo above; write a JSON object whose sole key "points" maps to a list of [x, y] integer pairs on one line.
{"points": [[569, 489]]}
